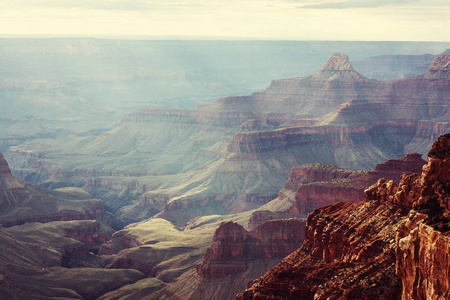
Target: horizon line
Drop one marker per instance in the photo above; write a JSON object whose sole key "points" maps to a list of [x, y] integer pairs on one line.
{"points": [[191, 38]]}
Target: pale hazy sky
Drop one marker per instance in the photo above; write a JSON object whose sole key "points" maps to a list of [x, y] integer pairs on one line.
{"points": [[387, 20]]}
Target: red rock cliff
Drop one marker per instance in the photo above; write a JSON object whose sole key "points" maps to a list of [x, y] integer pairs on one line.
{"points": [[424, 239], [233, 246], [319, 184], [393, 245]]}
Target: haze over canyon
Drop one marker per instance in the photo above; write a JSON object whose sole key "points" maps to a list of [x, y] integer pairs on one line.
{"points": [[187, 170]]}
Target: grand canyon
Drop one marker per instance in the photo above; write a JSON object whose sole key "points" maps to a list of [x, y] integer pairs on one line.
{"points": [[320, 186]]}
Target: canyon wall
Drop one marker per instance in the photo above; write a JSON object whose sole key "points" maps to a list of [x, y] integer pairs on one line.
{"points": [[234, 154], [233, 247], [389, 246]]}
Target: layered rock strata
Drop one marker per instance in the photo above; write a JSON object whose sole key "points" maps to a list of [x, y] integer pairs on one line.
{"points": [[233, 247], [392, 245], [312, 186], [233, 155]]}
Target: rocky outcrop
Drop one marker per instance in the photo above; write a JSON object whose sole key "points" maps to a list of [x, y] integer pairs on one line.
{"points": [[439, 68], [344, 255], [4, 167], [260, 217], [233, 247], [392, 245], [119, 241], [423, 241], [338, 67], [91, 236], [311, 186], [347, 141]]}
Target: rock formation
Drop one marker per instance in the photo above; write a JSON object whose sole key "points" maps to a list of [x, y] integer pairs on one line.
{"points": [[4, 167], [233, 247], [392, 245], [22, 202], [234, 154], [205, 270], [312, 186]]}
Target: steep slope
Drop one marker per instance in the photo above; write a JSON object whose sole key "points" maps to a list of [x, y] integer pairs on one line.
{"points": [[389, 246]]}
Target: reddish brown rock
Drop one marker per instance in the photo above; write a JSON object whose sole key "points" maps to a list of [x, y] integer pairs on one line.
{"points": [[376, 249], [319, 184], [424, 242], [119, 241], [345, 255], [260, 217], [439, 68], [353, 137], [233, 247]]}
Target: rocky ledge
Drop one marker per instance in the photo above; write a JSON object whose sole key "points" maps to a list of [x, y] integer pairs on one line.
{"points": [[393, 245]]}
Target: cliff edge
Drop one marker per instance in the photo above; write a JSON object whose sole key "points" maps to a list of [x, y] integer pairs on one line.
{"points": [[392, 245]]}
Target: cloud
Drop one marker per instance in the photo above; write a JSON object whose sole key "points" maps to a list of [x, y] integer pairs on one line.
{"points": [[356, 4], [126, 5]]}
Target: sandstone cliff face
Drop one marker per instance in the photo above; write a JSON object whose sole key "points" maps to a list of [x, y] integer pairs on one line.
{"points": [[344, 256], [393, 245], [233, 247], [439, 68], [311, 186], [424, 243]]}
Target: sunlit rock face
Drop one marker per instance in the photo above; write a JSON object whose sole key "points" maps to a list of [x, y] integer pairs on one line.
{"points": [[393, 245], [423, 241]]}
